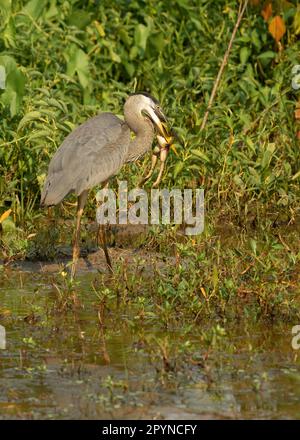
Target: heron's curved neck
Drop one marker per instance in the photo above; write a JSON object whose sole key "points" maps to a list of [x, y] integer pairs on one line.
{"points": [[144, 134]]}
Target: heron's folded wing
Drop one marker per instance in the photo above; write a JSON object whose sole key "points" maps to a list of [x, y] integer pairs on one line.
{"points": [[88, 156]]}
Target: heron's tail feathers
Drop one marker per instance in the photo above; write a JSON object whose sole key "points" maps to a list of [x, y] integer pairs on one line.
{"points": [[53, 193]]}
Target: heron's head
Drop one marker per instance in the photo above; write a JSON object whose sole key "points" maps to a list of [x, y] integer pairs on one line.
{"points": [[144, 105]]}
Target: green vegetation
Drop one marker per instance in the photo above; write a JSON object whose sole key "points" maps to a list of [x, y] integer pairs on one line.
{"points": [[66, 62]]}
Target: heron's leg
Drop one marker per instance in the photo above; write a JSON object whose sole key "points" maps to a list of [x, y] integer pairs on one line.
{"points": [[101, 238], [153, 165], [76, 249]]}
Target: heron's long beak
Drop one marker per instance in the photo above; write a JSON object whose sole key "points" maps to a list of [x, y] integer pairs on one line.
{"points": [[159, 120]]}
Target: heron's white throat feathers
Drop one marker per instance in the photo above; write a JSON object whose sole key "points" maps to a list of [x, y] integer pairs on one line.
{"points": [[139, 113], [140, 124]]}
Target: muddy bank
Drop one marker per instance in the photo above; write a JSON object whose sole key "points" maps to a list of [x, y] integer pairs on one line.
{"points": [[92, 260]]}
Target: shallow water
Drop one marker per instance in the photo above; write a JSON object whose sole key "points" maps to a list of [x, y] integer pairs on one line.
{"points": [[59, 363]]}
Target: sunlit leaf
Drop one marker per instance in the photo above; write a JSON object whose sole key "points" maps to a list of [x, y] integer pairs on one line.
{"points": [[34, 8], [267, 56], [200, 155], [78, 63], [115, 57], [52, 11], [183, 3], [79, 18], [277, 28], [178, 168], [238, 181], [28, 117], [141, 36], [244, 54], [9, 33], [296, 176], [5, 215], [5, 8], [15, 84], [268, 154], [99, 28], [296, 23], [267, 11]]}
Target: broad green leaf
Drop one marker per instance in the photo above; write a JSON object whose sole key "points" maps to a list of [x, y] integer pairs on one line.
{"points": [[296, 23], [194, 167], [130, 69], [133, 53], [158, 41], [8, 62], [185, 4], [15, 84], [78, 63], [141, 36], [253, 245], [266, 57], [124, 35], [59, 104], [244, 54], [34, 8], [268, 153], [238, 181], [114, 56], [79, 18], [9, 33], [52, 11], [200, 155], [255, 39], [99, 28], [40, 134], [5, 9], [254, 176], [296, 176], [178, 168], [28, 118]]}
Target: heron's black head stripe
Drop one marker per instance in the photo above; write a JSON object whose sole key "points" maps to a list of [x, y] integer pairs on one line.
{"points": [[147, 95], [160, 115]]}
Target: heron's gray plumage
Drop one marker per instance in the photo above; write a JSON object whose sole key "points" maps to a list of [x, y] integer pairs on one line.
{"points": [[98, 148], [86, 157]]}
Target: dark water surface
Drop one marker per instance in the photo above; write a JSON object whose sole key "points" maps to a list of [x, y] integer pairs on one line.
{"points": [[60, 363]]}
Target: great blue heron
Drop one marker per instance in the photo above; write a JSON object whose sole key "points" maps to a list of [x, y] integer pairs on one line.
{"points": [[97, 149]]}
